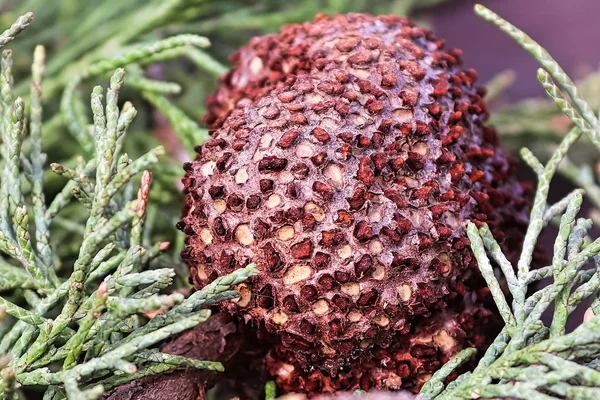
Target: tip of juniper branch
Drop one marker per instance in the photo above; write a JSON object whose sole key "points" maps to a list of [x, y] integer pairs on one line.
{"points": [[479, 8]]}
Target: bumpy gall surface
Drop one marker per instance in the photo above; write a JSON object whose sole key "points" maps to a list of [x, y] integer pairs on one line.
{"points": [[346, 157]]}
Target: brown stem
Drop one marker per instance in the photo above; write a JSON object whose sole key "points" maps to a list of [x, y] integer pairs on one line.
{"points": [[218, 339]]}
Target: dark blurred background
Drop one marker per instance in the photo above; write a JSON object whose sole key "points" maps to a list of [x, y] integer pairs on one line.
{"points": [[568, 29]]}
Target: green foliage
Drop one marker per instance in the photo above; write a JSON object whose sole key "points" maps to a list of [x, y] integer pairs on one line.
{"points": [[85, 258], [81, 330], [529, 360]]}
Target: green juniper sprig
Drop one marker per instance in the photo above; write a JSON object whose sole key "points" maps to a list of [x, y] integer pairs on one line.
{"points": [[538, 123], [530, 360], [82, 331]]}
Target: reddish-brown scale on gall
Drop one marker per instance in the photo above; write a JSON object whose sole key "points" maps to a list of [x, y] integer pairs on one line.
{"points": [[347, 156]]}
